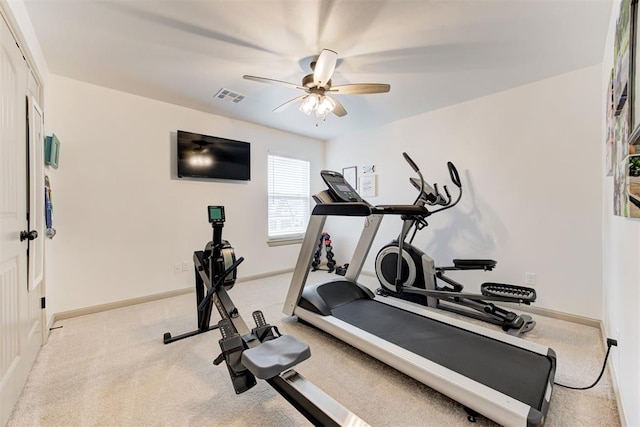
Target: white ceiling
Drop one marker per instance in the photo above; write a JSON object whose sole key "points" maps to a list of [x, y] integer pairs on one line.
{"points": [[432, 53]]}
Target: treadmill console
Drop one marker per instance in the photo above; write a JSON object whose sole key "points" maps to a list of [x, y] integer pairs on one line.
{"points": [[339, 188]]}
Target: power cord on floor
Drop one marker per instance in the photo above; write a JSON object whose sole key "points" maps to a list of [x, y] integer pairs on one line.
{"points": [[610, 343]]}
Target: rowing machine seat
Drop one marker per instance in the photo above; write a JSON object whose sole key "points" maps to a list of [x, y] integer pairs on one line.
{"points": [[275, 356]]}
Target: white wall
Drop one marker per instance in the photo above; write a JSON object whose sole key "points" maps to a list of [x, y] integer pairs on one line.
{"points": [[123, 221], [530, 163], [621, 273]]}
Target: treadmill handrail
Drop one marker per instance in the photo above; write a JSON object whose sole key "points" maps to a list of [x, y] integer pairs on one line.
{"points": [[410, 210], [364, 209], [342, 209]]}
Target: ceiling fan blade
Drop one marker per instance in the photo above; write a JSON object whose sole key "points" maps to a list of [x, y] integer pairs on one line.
{"points": [[360, 89], [339, 109], [272, 81], [289, 103], [325, 65]]}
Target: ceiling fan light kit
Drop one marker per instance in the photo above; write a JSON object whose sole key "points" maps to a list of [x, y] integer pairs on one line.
{"points": [[319, 82], [310, 103], [326, 106], [322, 105]]}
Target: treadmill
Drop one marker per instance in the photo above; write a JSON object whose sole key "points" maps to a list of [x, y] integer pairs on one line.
{"points": [[499, 376]]}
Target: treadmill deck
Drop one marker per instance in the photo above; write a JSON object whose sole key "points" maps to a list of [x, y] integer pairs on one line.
{"points": [[511, 370]]}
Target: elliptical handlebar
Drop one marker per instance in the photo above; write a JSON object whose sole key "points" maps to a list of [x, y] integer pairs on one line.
{"points": [[449, 203], [411, 162], [416, 169], [432, 195], [453, 173]]}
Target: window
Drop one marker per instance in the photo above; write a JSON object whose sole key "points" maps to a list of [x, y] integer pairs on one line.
{"points": [[288, 197]]}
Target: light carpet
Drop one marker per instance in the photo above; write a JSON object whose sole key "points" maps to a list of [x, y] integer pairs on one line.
{"points": [[112, 369]]}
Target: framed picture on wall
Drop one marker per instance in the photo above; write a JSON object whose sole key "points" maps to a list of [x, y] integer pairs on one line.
{"points": [[368, 185], [351, 176], [626, 103], [621, 58], [634, 73], [620, 153], [610, 131], [633, 186]]}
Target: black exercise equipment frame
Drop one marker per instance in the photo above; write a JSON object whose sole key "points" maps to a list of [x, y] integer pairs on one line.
{"points": [[317, 407], [451, 296], [204, 303]]}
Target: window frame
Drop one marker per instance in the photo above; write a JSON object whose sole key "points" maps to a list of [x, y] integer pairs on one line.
{"points": [[290, 238]]}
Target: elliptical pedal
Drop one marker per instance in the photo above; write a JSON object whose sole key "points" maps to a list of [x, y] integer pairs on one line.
{"points": [[523, 293]]}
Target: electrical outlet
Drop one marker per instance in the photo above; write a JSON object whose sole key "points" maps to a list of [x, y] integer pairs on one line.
{"points": [[530, 279], [176, 268], [185, 265]]}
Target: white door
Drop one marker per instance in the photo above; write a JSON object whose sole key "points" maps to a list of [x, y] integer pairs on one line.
{"points": [[20, 330], [35, 213], [36, 217]]}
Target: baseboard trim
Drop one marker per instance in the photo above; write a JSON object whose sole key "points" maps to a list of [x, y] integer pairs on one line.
{"points": [[614, 380], [264, 275], [147, 298], [581, 320], [119, 304], [560, 315]]}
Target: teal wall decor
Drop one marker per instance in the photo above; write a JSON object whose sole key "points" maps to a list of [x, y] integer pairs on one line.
{"points": [[51, 151]]}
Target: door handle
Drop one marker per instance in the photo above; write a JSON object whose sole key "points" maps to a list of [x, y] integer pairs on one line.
{"points": [[31, 235]]}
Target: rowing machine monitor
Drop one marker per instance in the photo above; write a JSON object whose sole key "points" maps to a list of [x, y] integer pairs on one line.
{"points": [[216, 215]]}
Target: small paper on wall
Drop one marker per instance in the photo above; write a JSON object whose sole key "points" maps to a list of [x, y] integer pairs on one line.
{"points": [[368, 186], [368, 169]]}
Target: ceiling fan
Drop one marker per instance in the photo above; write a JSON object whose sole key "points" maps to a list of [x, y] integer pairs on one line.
{"points": [[317, 88]]}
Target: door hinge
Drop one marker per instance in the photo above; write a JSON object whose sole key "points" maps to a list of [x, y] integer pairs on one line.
{"points": [[43, 303]]}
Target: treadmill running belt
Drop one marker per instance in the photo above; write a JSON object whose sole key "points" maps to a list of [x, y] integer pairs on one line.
{"points": [[510, 370]]}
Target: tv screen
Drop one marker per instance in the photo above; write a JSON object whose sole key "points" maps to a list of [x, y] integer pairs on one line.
{"points": [[203, 156]]}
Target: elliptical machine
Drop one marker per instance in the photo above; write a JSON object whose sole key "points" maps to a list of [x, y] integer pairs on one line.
{"points": [[413, 276]]}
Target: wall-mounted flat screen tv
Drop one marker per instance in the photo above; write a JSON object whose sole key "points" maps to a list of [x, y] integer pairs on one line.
{"points": [[203, 156]]}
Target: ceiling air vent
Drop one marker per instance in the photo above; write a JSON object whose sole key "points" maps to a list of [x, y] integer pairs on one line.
{"points": [[230, 96]]}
